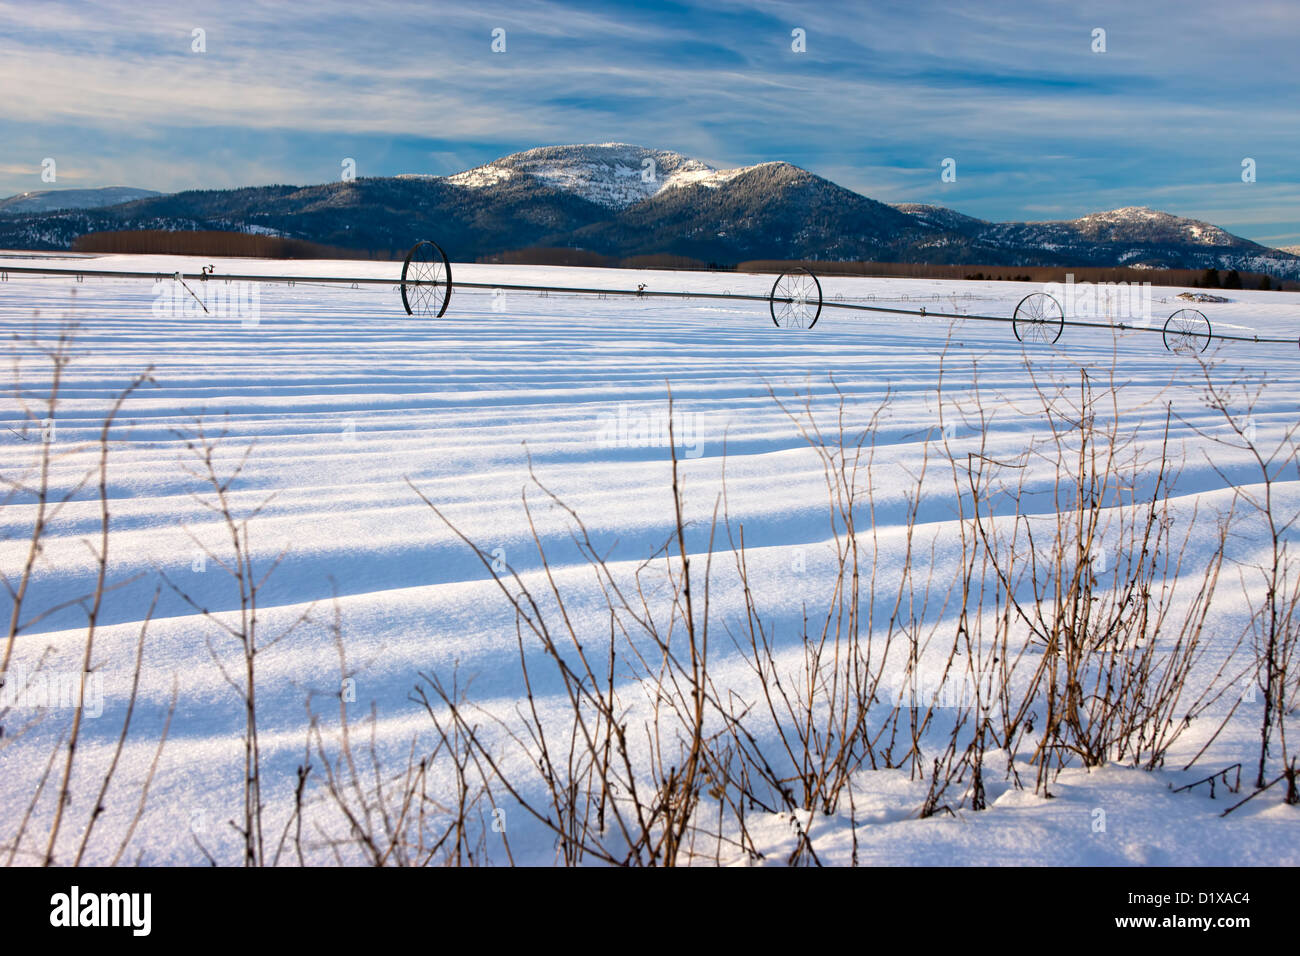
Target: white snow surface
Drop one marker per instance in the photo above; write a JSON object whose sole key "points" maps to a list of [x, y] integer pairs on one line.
{"points": [[343, 398]]}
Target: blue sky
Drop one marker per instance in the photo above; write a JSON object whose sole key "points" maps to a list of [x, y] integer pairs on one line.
{"points": [[1040, 125]]}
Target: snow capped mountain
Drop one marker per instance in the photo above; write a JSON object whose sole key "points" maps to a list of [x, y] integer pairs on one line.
{"points": [[616, 175], [1139, 223], [48, 200], [1139, 236], [623, 201], [1133, 235], [1131, 224], [1289, 250]]}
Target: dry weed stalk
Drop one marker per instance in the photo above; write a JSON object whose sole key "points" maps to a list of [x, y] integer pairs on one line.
{"points": [[1273, 626], [39, 425], [238, 564]]}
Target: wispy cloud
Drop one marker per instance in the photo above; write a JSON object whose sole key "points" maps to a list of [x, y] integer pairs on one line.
{"points": [[1035, 119]]}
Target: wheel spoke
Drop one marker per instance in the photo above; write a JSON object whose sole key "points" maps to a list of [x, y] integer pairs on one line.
{"points": [[426, 280], [1038, 318], [1187, 330], [796, 300]]}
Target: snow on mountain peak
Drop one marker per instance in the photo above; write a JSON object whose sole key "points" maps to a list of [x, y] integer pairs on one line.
{"points": [[1142, 222], [616, 175], [1131, 212]]}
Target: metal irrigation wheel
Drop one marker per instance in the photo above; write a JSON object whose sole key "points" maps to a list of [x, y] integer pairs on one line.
{"points": [[796, 300], [1187, 330], [1038, 318], [426, 280]]}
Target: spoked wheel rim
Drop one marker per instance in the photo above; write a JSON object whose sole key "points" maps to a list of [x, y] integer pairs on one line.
{"points": [[796, 300], [426, 280], [1187, 330], [1038, 318]]}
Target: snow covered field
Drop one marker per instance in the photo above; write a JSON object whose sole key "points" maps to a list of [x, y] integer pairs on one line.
{"points": [[342, 399]]}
